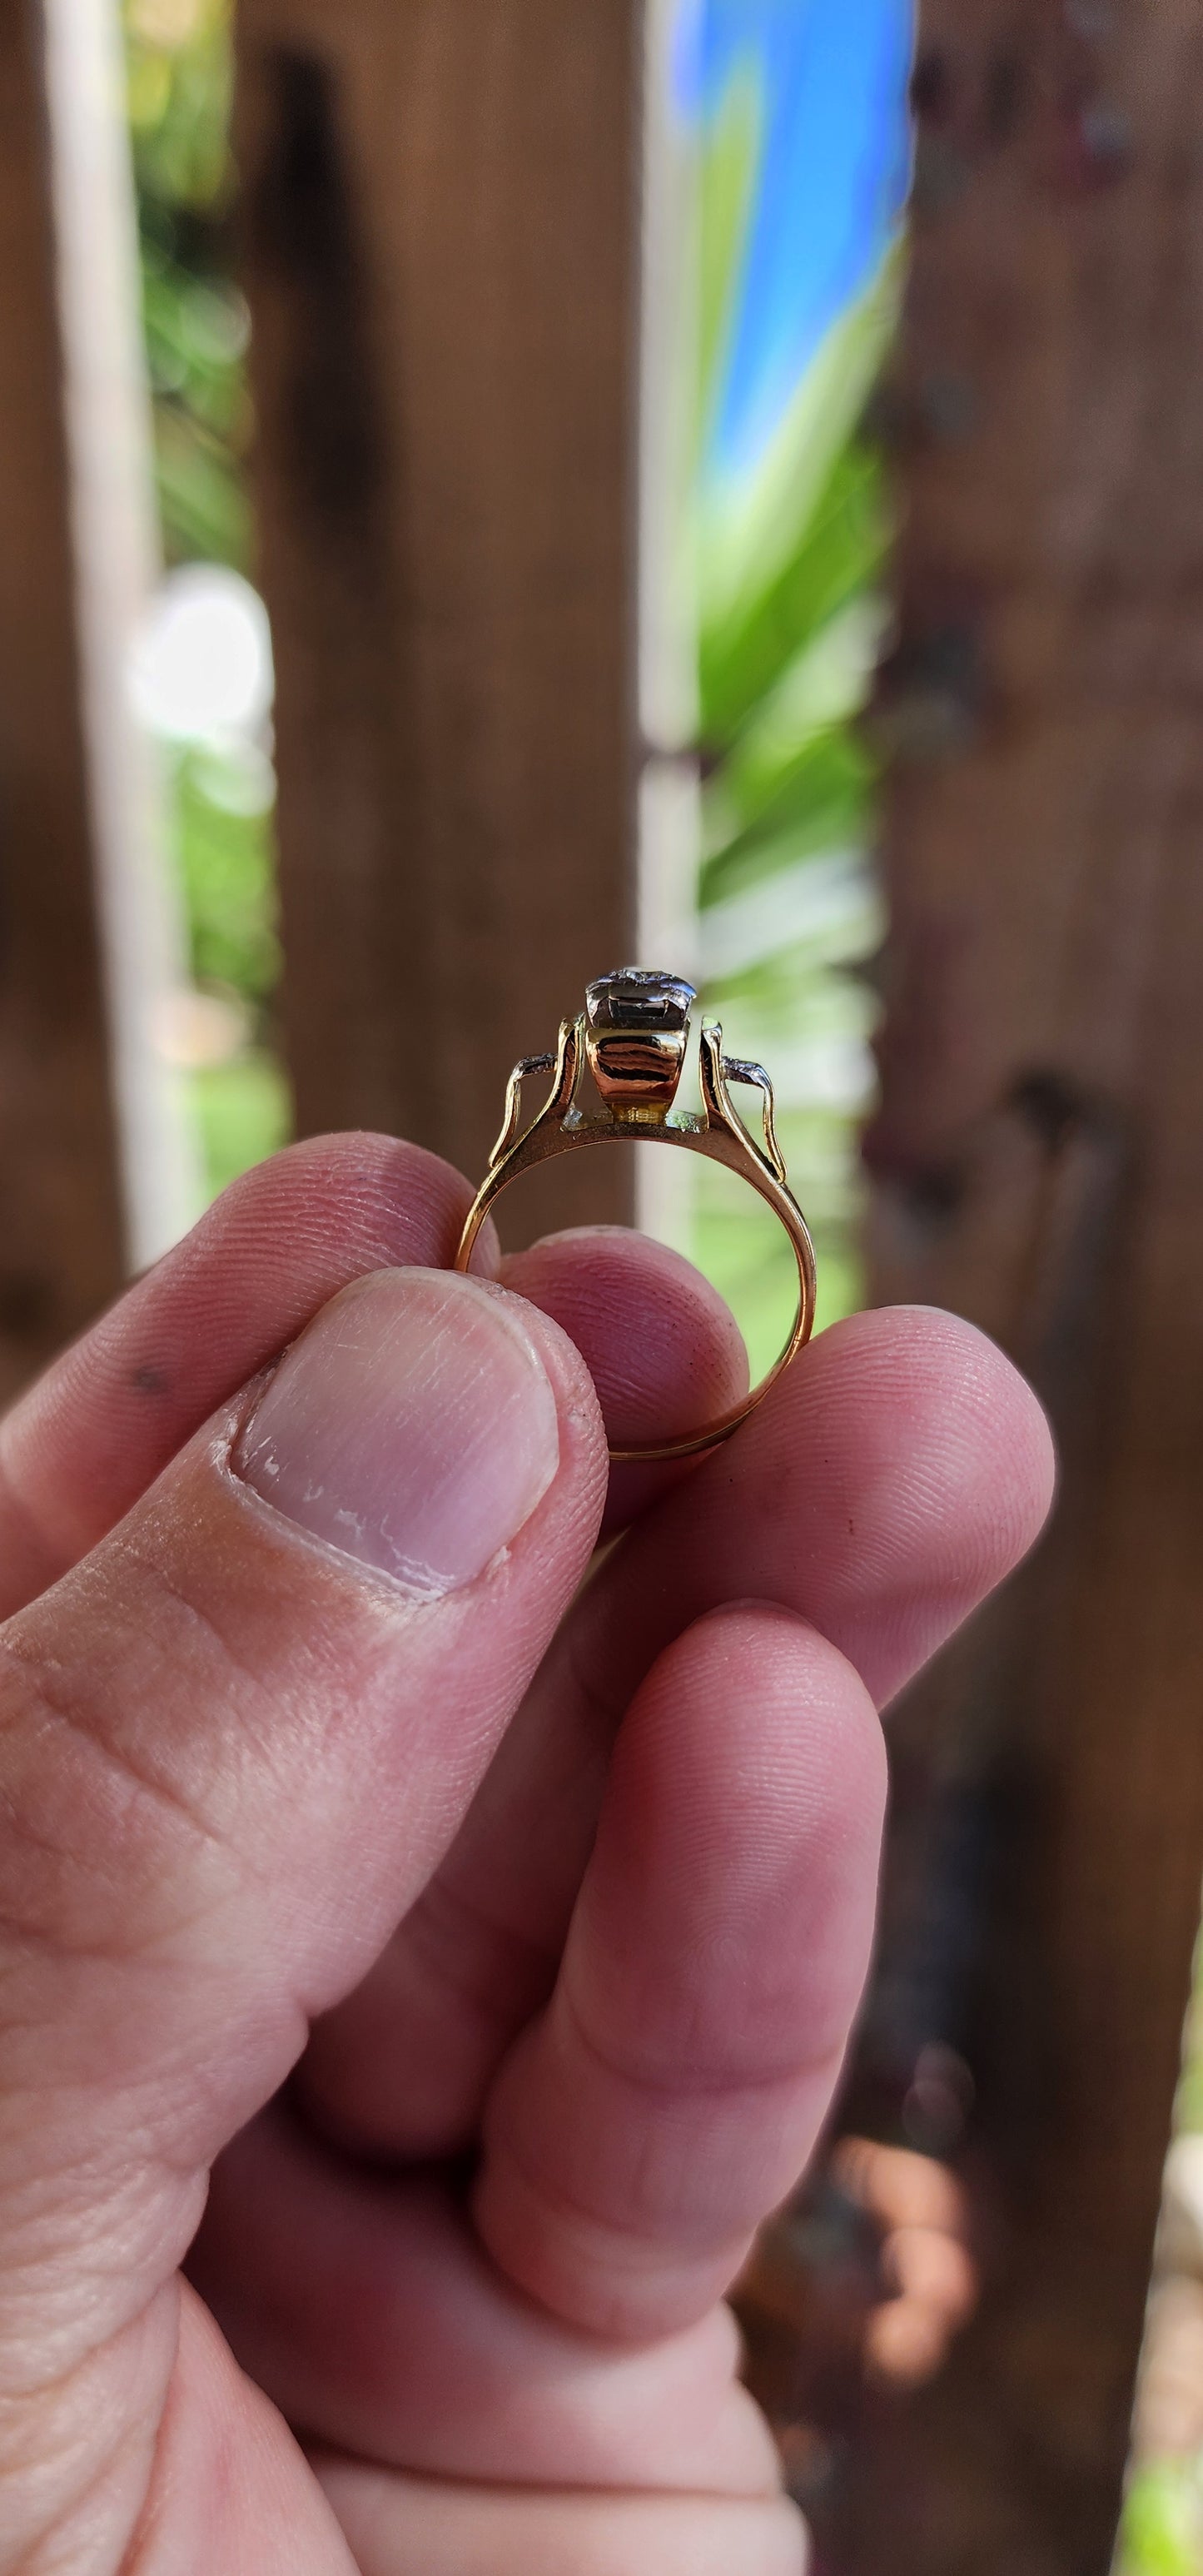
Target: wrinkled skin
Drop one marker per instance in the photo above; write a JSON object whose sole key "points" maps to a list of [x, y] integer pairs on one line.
{"points": [[494, 1950]]}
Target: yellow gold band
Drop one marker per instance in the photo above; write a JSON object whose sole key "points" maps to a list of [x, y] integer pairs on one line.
{"points": [[633, 1035]]}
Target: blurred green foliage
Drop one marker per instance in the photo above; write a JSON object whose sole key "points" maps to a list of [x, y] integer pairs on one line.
{"points": [[243, 1113], [179, 88], [788, 560], [1188, 2108], [196, 341], [1161, 2530], [179, 68], [227, 864]]}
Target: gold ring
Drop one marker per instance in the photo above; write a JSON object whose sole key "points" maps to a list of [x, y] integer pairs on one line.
{"points": [[632, 1034]]}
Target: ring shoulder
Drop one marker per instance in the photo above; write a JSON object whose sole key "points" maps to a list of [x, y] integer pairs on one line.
{"points": [[716, 1072], [512, 1120], [632, 1036], [566, 1063]]}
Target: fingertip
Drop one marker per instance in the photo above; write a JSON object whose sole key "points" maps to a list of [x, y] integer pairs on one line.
{"points": [[752, 1742], [673, 2089], [356, 1198], [665, 1352], [778, 1717], [948, 1377], [106, 1417], [663, 1349], [896, 1474]]}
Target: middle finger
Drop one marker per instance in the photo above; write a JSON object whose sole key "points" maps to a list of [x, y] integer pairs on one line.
{"points": [[895, 1476]]}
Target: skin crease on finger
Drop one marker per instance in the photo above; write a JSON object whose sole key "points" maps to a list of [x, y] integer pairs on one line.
{"points": [[400, 2526], [907, 1428]]}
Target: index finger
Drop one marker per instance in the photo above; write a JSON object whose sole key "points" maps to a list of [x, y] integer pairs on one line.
{"points": [[665, 1353], [79, 1449], [91, 1435]]}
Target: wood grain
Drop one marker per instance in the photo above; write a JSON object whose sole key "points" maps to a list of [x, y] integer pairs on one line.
{"points": [[60, 1213], [1038, 1162], [440, 226]]}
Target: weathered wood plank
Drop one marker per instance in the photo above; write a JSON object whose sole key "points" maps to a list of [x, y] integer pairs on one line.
{"points": [[1037, 1161], [116, 562], [441, 205], [98, 1169], [61, 1244]]}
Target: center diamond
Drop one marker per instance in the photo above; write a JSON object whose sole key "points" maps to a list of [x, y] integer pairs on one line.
{"points": [[639, 997], [636, 1033]]}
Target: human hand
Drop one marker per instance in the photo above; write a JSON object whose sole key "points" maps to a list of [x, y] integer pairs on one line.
{"points": [[511, 1932]]}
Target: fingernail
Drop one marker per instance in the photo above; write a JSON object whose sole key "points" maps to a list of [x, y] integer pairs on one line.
{"points": [[412, 1426]]}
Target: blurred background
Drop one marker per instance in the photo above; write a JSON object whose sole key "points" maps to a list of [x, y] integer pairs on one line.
{"points": [[495, 491]]}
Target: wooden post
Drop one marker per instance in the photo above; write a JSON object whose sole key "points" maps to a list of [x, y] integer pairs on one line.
{"points": [[94, 1165], [1039, 1166], [441, 212], [116, 562], [60, 1219]]}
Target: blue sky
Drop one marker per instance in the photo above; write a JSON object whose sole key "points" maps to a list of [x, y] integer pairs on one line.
{"points": [[832, 78]]}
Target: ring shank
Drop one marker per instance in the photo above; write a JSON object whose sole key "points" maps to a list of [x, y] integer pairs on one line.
{"points": [[719, 1145]]}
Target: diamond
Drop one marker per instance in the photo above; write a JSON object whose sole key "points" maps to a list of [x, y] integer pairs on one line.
{"points": [[639, 997]]}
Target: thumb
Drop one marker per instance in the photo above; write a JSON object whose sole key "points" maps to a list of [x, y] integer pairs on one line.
{"points": [[234, 1742]]}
